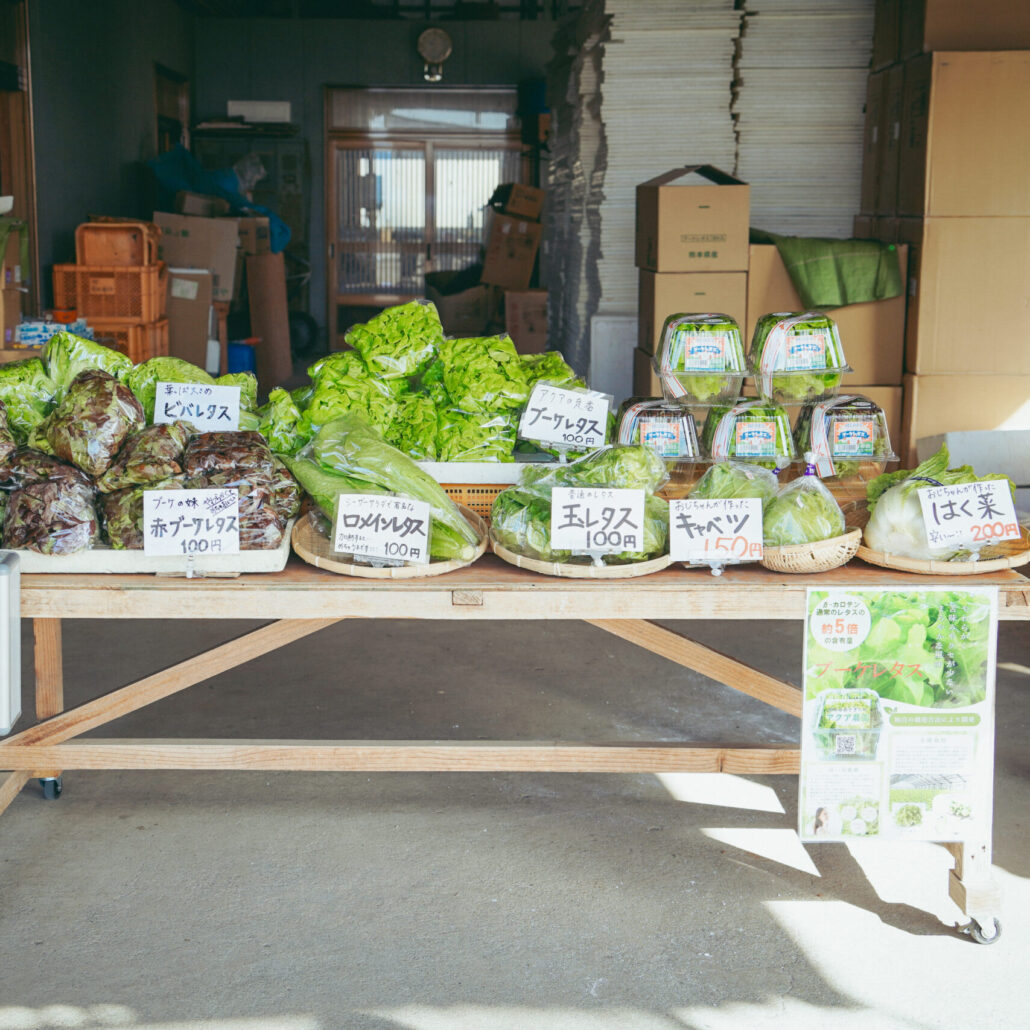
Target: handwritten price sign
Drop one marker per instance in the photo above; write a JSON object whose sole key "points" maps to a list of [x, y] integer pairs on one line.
{"points": [[575, 420], [597, 520], [208, 408], [969, 514], [392, 529], [724, 529], [191, 522]]}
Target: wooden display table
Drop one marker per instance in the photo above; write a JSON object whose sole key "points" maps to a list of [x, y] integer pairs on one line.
{"points": [[305, 600]]}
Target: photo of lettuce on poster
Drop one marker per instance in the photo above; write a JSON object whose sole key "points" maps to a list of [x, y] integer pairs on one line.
{"points": [[928, 648]]}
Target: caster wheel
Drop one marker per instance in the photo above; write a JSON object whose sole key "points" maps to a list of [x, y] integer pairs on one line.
{"points": [[982, 935], [51, 788]]}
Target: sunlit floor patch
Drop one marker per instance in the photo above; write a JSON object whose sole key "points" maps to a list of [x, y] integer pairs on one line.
{"points": [[517, 1017], [1014, 667], [783, 846], [789, 1012], [103, 1017], [722, 789]]}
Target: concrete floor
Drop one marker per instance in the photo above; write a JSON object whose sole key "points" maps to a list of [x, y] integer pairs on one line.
{"points": [[253, 901]]}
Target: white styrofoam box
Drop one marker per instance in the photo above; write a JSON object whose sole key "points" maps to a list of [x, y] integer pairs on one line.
{"points": [[1005, 451], [612, 340], [259, 110], [493, 472], [10, 640]]}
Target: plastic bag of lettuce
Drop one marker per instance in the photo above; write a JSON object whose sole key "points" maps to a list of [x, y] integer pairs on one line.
{"points": [[521, 515]]}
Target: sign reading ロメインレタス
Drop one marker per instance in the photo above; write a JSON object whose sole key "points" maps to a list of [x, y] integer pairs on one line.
{"points": [[897, 731]]}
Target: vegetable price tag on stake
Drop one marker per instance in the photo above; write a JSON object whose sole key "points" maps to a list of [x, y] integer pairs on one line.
{"points": [[597, 520], [383, 528], [969, 514], [575, 420], [717, 530], [208, 408], [191, 522]]}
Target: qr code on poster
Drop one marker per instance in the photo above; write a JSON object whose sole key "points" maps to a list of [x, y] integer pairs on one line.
{"points": [[846, 743]]}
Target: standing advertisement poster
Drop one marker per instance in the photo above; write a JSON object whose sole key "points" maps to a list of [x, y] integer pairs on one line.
{"points": [[897, 732]]}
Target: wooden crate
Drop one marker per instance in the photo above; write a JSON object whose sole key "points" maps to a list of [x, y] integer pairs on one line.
{"points": [[116, 244], [138, 342], [113, 294], [478, 497]]}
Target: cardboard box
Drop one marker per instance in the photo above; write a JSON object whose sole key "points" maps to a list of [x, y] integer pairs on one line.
{"points": [[964, 147], [889, 151], [254, 236], [511, 250], [468, 312], [211, 243], [670, 293], [886, 33], [200, 204], [969, 296], [693, 219], [872, 136], [10, 260], [222, 334], [523, 201], [189, 314], [943, 404], [645, 379], [269, 319], [873, 334], [10, 315], [927, 25], [525, 320]]}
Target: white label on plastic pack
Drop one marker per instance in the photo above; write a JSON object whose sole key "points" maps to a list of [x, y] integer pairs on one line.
{"points": [[184, 289], [206, 407], [664, 435], [853, 438], [717, 530], [572, 419], [597, 520], [755, 439], [382, 527], [804, 351], [698, 352], [191, 522], [971, 515]]}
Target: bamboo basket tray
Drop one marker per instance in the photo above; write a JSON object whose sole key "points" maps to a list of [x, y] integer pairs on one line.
{"points": [[311, 544], [822, 556], [1009, 554], [585, 571]]}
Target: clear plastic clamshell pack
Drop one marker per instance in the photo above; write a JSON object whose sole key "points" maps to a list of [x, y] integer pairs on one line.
{"points": [[670, 431], [848, 437], [750, 431], [796, 357], [700, 359]]}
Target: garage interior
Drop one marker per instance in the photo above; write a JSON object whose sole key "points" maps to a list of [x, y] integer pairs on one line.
{"points": [[381, 136]]}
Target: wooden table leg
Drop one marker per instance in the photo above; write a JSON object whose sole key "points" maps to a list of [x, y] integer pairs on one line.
{"points": [[49, 683]]}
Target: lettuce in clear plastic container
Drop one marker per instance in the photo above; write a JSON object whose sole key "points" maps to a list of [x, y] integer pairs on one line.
{"points": [[151, 455], [464, 437], [280, 422], [848, 436], [549, 367], [66, 355], [669, 430], [796, 357], [803, 512], [8, 444], [484, 374], [53, 516], [248, 384], [752, 431], [122, 513], [28, 394], [400, 341], [700, 359], [344, 385]]}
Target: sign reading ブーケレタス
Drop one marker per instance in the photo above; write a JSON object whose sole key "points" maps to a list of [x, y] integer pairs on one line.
{"points": [[897, 732]]}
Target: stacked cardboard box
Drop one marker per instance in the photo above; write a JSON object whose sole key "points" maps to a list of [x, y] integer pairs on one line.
{"points": [[945, 172], [691, 253], [513, 237]]}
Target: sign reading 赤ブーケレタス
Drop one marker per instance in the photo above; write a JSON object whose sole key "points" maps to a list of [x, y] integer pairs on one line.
{"points": [[191, 522], [897, 731]]}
